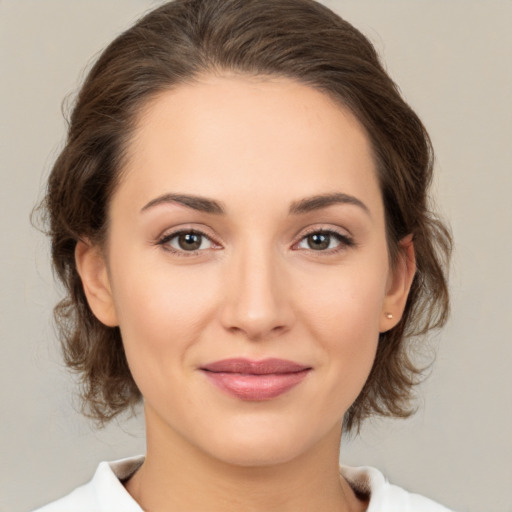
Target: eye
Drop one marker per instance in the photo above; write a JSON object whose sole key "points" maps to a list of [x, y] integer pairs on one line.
{"points": [[186, 241], [324, 240]]}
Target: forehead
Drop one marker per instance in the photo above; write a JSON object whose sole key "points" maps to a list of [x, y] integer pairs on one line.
{"points": [[248, 136]]}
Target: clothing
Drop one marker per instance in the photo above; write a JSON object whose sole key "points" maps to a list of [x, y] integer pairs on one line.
{"points": [[106, 493]]}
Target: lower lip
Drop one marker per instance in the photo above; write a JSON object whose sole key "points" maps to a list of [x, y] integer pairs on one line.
{"points": [[256, 387]]}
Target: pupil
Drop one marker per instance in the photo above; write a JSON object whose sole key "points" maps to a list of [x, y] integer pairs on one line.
{"points": [[190, 241], [318, 241]]}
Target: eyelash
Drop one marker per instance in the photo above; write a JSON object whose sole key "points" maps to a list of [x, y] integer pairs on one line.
{"points": [[344, 240], [164, 241]]}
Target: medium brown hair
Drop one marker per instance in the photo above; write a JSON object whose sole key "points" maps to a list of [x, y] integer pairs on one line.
{"points": [[297, 39]]}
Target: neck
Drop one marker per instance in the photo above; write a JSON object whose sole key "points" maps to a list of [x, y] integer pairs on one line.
{"points": [[310, 481]]}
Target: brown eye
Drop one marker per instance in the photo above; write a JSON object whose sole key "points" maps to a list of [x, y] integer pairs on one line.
{"points": [[186, 241], [189, 241], [318, 241], [325, 241]]}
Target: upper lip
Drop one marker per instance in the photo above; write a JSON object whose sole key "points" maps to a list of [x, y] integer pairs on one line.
{"points": [[262, 367]]}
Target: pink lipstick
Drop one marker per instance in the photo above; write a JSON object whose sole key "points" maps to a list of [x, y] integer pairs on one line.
{"points": [[255, 380]]}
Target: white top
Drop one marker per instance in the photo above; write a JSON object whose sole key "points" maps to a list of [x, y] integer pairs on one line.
{"points": [[106, 493]]}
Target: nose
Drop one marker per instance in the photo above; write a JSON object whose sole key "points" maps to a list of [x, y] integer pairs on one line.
{"points": [[257, 299]]}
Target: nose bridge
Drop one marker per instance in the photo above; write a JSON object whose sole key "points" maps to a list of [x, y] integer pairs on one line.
{"points": [[256, 301]]}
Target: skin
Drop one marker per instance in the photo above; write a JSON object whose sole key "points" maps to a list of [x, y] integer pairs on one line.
{"points": [[255, 288]]}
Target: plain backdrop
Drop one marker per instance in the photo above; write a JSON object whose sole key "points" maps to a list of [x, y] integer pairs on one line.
{"points": [[452, 60]]}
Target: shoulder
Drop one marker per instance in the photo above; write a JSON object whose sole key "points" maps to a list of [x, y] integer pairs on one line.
{"points": [[104, 493], [386, 497]]}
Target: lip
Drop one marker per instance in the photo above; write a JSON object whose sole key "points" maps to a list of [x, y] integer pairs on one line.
{"points": [[255, 380]]}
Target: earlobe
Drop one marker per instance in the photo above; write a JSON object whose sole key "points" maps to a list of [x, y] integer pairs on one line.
{"points": [[92, 268], [399, 285]]}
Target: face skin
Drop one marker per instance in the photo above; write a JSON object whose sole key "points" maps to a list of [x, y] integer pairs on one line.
{"points": [[257, 287]]}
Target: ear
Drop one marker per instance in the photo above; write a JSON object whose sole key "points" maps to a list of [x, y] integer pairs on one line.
{"points": [[92, 268], [399, 284]]}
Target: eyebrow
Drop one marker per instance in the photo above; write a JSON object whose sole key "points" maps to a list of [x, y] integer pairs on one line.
{"points": [[306, 205], [318, 202], [201, 204]]}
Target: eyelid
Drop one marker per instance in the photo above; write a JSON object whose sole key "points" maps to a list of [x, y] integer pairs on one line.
{"points": [[323, 228], [164, 238], [346, 240]]}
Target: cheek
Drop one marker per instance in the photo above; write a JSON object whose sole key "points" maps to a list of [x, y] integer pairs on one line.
{"points": [[344, 321], [348, 304], [162, 312]]}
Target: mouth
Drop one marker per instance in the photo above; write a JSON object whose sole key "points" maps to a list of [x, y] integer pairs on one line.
{"points": [[255, 380]]}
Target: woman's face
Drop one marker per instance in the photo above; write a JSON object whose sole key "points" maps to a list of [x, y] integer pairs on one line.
{"points": [[248, 227]]}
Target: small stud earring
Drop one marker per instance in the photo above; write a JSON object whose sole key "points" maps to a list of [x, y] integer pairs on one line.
{"points": [[389, 315]]}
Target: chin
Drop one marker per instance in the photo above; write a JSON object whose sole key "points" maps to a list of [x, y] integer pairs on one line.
{"points": [[260, 447], [256, 455]]}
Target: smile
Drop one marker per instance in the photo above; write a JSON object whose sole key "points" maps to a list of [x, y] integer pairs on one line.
{"points": [[255, 380]]}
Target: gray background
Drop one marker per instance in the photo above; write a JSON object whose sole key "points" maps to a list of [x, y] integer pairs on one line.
{"points": [[452, 60]]}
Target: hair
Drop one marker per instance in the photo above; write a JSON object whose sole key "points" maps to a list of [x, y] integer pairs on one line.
{"points": [[296, 39]]}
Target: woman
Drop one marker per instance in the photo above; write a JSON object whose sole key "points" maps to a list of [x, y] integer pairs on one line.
{"points": [[240, 217]]}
